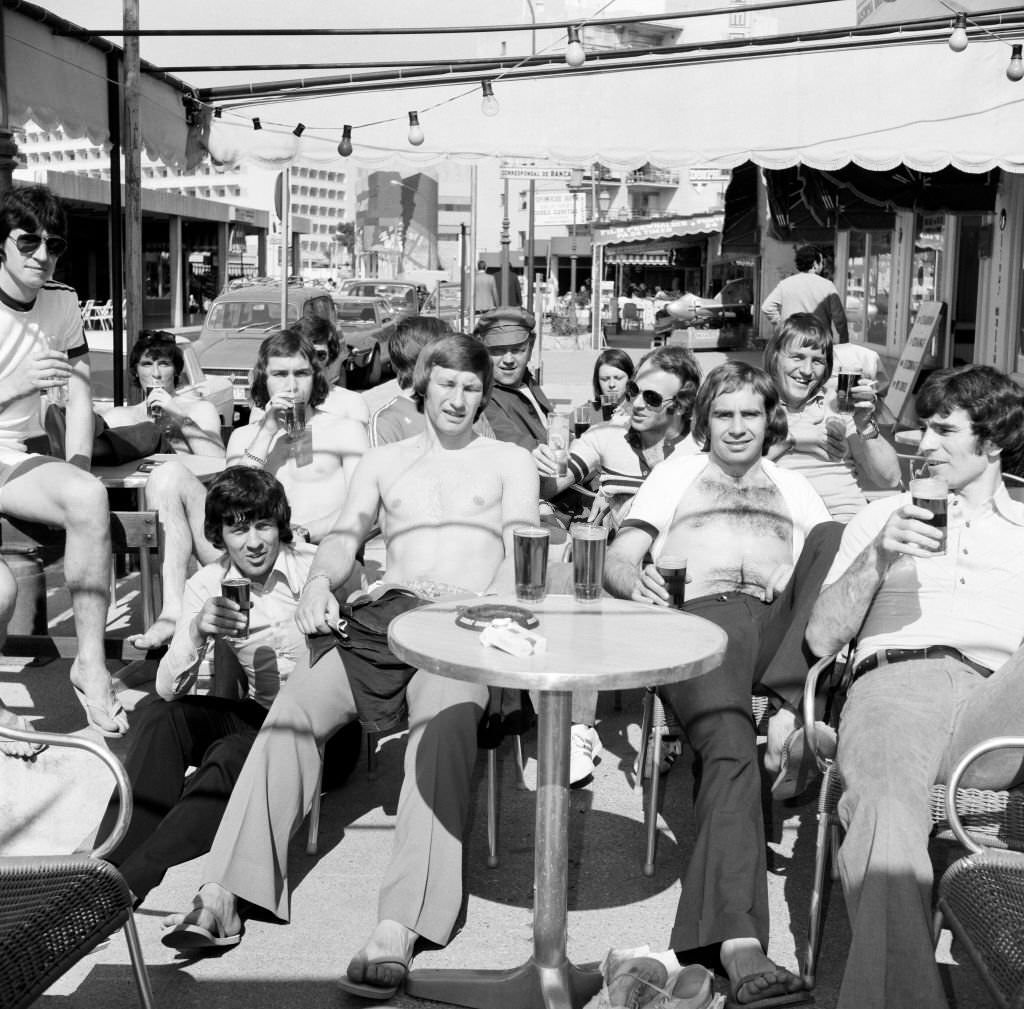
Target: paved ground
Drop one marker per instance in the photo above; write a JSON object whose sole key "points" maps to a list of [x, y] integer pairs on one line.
{"points": [[54, 805]]}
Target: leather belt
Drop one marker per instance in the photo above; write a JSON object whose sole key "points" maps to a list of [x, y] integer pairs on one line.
{"points": [[889, 656]]}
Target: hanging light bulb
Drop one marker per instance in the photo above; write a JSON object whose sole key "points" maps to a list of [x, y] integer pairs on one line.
{"points": [[300, 128], [345, 147], [218, 112], [574, 54], [489, 106], [958, 38], [256, 124], [415, 130], [1015, 71]]}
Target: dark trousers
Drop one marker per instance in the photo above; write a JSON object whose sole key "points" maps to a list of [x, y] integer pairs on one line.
{"points": [[725, 886], [175, 819]]}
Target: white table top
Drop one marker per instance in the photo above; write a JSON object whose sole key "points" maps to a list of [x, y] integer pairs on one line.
{"points": [[610, 644]]}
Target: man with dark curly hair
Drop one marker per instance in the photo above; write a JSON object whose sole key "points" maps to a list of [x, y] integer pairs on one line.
{"points": [[939, 618]]}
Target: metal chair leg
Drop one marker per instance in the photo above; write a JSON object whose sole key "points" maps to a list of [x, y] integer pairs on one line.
{"points": [[657, 724], [646, 718], [313, 838], [822, 856], [517, 745], [138, 963], [492, 809]]}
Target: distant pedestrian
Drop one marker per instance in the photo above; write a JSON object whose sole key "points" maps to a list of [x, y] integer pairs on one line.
{"points": [[485, 291], [808, 291]]}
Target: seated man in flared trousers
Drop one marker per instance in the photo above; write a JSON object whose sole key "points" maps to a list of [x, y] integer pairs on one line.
{"points": [[448, 502], [939, 667]]}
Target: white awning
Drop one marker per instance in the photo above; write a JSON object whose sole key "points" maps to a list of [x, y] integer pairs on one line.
{"points": [[921, 105], [56, 81]]}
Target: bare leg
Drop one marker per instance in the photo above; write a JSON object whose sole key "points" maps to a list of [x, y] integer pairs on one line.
{"points": [[8, 597], [61, 495], [180, 501]]}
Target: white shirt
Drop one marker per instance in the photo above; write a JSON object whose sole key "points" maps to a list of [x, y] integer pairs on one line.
{"points": [[970, 598], [268, 654]]}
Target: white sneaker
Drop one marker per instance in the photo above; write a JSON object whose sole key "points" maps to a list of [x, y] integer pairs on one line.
{"points": [[584, 751]]}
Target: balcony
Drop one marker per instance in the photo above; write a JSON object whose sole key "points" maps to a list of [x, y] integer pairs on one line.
{"points": [[652, 178]]}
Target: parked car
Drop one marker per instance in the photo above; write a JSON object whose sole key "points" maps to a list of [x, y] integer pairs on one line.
{"points": [[403, 298], [239, 320], [697, 324], [366, 325], [445, 301], [216, 389]]}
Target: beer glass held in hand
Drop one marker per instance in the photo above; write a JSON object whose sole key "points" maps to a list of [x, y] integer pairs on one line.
{"points": [[238, 591], [530, 556], [558, 441], [846, 379], [673, 571], [588, 550], [932, 493]]}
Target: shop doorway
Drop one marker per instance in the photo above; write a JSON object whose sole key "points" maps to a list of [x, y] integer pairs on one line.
{"points": [[963, 320]]}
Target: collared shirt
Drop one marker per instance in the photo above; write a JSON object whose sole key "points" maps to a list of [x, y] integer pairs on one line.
{"points": [[617, 458], [971, 597], [514, 415], [267, 655]]}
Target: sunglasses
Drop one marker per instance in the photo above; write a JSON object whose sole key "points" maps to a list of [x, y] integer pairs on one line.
{"points": [[28, 243], [322, 355], [653, 399]]}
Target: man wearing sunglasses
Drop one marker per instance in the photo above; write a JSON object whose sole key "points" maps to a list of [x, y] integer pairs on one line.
{"points": [[43, 354], [660, 402], [758, 542]]}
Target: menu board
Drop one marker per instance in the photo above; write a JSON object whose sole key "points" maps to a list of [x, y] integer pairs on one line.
{"points": [[929, 314]]}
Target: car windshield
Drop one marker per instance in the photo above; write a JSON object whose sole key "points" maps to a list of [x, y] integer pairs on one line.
{"points": [[263, 314], [355, 312]]}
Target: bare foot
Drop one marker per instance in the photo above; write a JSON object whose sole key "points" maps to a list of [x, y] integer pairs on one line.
{"points": [[95, 692], [158, 634], [384, 961], [11, 747], [752, 976]]}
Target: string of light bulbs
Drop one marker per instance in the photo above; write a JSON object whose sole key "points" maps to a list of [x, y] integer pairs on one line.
{"points": [[958, 41]]}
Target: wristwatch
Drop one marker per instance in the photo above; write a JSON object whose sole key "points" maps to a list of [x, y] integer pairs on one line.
{"points": [[303, 532], [870, 432]]}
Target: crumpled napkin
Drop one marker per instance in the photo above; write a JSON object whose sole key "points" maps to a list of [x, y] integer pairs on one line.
{"points": [[617, 960]]}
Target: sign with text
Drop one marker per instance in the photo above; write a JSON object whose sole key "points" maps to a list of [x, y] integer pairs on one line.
{"points": [[929, 314], [530, 170]]}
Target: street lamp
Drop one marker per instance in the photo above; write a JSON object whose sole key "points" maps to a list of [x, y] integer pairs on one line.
{"points": [[575, 187]]}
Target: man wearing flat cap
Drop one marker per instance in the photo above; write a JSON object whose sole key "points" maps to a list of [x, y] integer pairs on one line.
{"points": [[518, 409]]}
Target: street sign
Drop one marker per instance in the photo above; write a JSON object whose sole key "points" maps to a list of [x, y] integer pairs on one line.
{"points": [[528, 170], [926, 325]]}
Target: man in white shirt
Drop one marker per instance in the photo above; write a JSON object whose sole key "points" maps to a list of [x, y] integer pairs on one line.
{"points": [[757, 541], [43, 355], [939, 623], [175, 819], [808, 291]]}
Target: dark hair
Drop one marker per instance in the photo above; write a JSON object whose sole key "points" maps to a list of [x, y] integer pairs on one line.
{"points": [[319, 330], [157, 343], [460, 353], [286, 343], [481, 264], [411, 335], [32, 208], [801, 329], [993, 401], [731, 377], [807, 256], [614, 358], [680, 362], [245, 494]]}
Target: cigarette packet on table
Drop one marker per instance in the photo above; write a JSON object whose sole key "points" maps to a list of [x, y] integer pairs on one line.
{"points": [[508, 636]]}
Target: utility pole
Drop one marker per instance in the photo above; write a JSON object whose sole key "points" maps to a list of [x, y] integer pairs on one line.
{"points": [[132, 144]]}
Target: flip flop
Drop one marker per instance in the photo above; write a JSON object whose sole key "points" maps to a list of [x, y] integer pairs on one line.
{"points": [[115, 713], [188, 934], [802, 997], [798, 766], [692, 988], [366, 989], [638, 982]]}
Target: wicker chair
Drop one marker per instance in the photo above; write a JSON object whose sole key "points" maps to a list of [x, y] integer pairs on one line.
{"points": [[55, 909], [981, 897], [995, 818]]}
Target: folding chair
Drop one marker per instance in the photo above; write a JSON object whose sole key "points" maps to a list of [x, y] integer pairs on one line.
{"points": [[55, 909]]}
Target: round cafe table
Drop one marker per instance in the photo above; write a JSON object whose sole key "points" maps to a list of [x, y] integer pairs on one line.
{"points": [[610, 644]]}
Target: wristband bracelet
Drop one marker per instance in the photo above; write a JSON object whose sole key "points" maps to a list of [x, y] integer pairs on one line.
{"points": [[259, 460], [317, 576], [870, 432]]}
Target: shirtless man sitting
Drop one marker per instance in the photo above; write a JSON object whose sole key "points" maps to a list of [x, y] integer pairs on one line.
{"points": [[191, 424], [758, 543], [315, 467], [448, 503]]}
